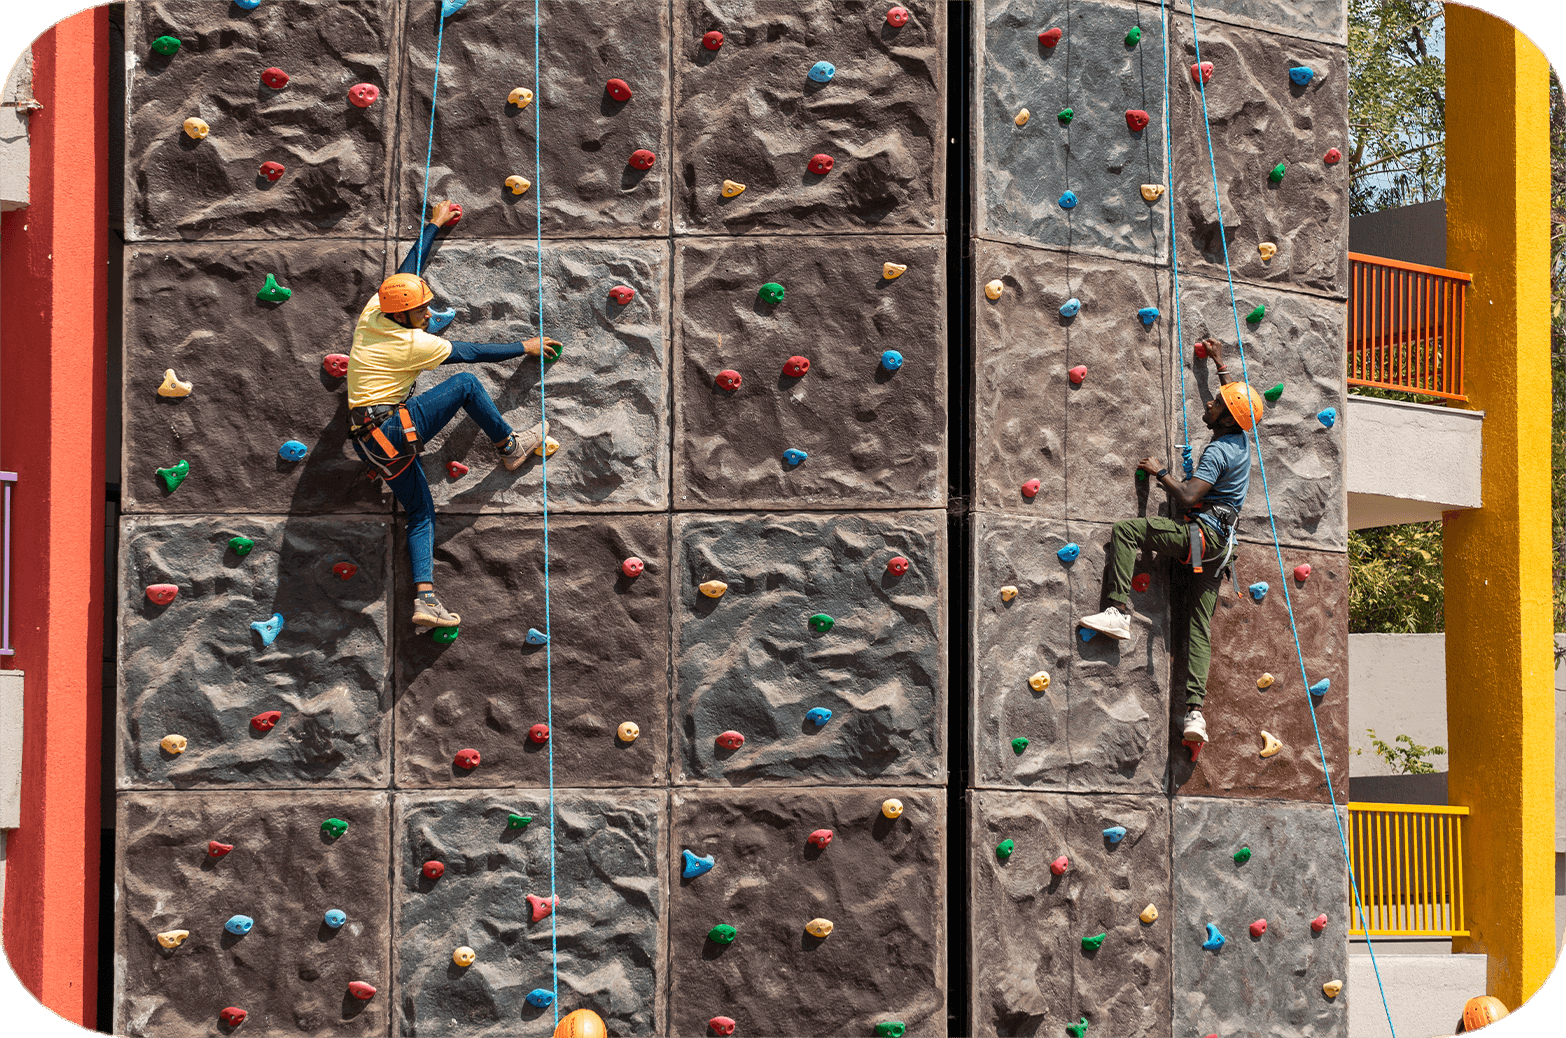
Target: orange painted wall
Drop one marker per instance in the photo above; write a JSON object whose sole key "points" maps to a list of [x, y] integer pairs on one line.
{"points": [[53, 402]]}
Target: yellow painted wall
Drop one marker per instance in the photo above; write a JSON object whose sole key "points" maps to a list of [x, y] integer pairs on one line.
{"points": [[1499, 663]]}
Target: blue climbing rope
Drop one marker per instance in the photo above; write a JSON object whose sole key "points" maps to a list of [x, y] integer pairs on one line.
{"points": [[1273, 523], [1174, 258], [429, 146]]}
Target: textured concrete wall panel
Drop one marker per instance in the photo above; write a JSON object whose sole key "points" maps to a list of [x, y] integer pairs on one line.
{"points": [[196, 668], [1315, 19], [751, 662], [879, 881]]}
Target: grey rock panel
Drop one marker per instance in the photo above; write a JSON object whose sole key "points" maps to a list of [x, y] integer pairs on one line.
{"points": [[748, 113], [609, 926], [1094, 72], [291, 972], [1253, 638], [1260, 118], [607, 395], [882, 883], [875, 438], [196, 668], [608, 651], [582, 178], [336, 154], [256, 371], [1032, 976], [750, 662], [1316, 19], [1271, 984]]}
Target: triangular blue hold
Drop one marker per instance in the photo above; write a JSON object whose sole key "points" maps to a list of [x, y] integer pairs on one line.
{"points": [[1148, 314], [268, 629], [1259, 590], [1215, 940], [818, 715], [1320, 687], [1115, 833], [1087, 633], [1068, 200], [1302, 75], [1070, 307], [451, 7], [539, 998], [794, 455], [695, 866], [1069, 553], [536, 637], [1327, 416], [439, 319]]}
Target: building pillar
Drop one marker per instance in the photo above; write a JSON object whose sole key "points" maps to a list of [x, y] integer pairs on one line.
{"points": [[1499, 662]]}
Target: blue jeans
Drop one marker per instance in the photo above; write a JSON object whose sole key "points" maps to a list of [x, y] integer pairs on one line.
{"points": [[431, 410]]}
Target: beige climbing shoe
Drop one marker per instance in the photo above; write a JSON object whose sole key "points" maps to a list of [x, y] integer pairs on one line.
{"points": [[522, 444], [428, 613]]}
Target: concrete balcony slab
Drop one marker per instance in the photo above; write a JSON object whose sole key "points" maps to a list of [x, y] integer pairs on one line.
{"points": [[1408, 463]]}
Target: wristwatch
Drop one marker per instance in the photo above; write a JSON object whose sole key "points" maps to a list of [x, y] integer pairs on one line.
{"points": [[1162, 473]]}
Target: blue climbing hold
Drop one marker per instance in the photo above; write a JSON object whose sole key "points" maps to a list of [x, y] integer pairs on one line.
{"points": [[1087, 633], [1328, 417], [536, 637], [1302, 75], [439, 319], [818, 715], [292, 450], [822, 72], [538, 998], [695, 866], [1258, 590], [239, 924], [1068, 200], [891, 360], [451, 7], [1148, 314], [335, 918], [1215, 940], [1320, 687], [268, 629], [794, 456], [1070, 307], [247, 5], [1069, 553], [1115, 833]]}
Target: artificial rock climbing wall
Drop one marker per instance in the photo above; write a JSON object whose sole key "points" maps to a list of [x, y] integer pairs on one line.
{"points": [[1119, 886], [300, 821]]}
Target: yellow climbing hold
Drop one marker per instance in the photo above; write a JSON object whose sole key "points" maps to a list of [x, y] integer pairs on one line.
{"points": [[1008, 593], [1149, 913], [1264, 681], [994, 289], [732, 188], [1152, 192], [1331, 988], [464, 956], [172, 743], [521, 97], [819, 927], [1023, 117], [893, 270], [173, 938], [195, 129], [518, 184], [1270, 744], [1039, 682], [892, 807], [549, 446], [173, 386], [628, 731], [1268, 250], [713, 588]]}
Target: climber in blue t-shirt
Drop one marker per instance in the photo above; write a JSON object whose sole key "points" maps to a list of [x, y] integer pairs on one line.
{"points": [[1206, 508]]}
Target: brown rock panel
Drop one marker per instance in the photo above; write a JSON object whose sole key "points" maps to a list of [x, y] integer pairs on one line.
{"points": [[582, 175], [1315, 19], [336, 154], [751, 662], [608, 651], [748, 112], [291, 972], [880, 882], [196, 668], [1031, 973], [875, 438]]}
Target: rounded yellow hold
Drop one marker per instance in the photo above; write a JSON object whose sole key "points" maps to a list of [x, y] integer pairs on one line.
{"points": [[521, 97], [549, 446], [1149, 913], [819, 927], [628, 731], [1264, 681], [173, 938], [1268, 250], [173, 386], [732, 188], [892, 807], [172, 743], [893, 270], [464, 956], [1270, 744], [1008, 593], [994, 289], [1331, 988], [518, 184], [1152, 192], [713, 588], [1039, 682], [195, 129], [1023, 117]]}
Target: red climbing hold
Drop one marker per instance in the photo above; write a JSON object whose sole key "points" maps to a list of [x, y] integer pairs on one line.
{"points": [[217, 850], [1137, 120], [897, 565], [632, 567], [336, 365], [1050, 37], [456, 214], [1332, 157], [1302, 571], [233, 1016], [1319, 923], [1195, 748], [1258, 928], [721, 1025], [541, 907], [344, 570], [161, 594], [1200, 349], [363, 95], [1202, 73], [731, 740], [728, 378], [360, 990], [539, 733], [820, 838], [468, 758], [433, 869], [618, 89], [275, 78], [1030, 488], [273, 171], [641, 158], [456, 470], [621, 294], [1060, 865], [897, 17], [820, 164], [712, 40], [1077, 374], [1141, 582], [796, 366], [266, 721]]}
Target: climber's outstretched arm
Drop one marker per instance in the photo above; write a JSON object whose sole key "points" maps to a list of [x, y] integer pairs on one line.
{"points": [[418, 257], [487, 352]]}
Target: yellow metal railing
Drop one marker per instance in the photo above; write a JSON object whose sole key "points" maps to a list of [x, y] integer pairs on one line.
{"points": [[1408, 862]]}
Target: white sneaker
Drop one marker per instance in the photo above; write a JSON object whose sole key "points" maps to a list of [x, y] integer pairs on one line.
{"points": [[1195, 726], [1111, 622]]}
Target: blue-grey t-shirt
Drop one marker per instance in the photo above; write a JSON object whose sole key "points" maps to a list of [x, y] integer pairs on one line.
{"points": [[1226, 464]]}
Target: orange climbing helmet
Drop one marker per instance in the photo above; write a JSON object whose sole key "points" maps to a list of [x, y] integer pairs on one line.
{"points": [[403, 292], [1482, 1010], [1244, 403]]}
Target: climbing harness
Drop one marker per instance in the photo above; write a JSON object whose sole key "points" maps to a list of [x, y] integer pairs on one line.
{"points": [[388, 460]]}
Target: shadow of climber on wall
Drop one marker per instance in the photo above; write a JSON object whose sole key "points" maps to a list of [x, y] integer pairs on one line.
{"points": [[388, 423]]}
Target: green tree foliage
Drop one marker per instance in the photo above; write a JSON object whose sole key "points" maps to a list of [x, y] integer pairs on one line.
{"points": [[1395, 580], [1404, 755], [1397, 104]]}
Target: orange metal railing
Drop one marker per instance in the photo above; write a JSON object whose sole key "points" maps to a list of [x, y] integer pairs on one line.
{"points": [[1406, 326], [1408, 863]]}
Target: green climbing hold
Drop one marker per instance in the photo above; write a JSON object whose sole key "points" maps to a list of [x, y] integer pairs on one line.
{"points": [[1019, 744], [1242, 855], [891, 1029], [1274, 393], [821, 623], [1256, 314], [516, 821], [334, 827], [1093, 943], [445, 635], [723, 933], [558, 348], [771, 293], [1004, 848], [1078, 1029], [166, 45], [272, 292], [241, 545], [1277, 173], [175, 474], [1134, 36], [1066, 115]]}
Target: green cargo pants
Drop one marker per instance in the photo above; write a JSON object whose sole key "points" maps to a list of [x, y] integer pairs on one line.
{"points": [[1170, 538]]}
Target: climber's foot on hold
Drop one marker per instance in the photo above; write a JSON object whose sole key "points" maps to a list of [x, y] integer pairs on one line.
{"points": [[428, 612], [516, 449], [1111, 622], [1195, 726]]}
